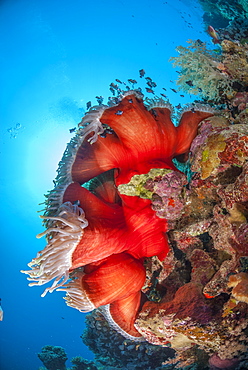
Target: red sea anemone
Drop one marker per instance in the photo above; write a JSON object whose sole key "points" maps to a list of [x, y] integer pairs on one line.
{"points": [[97, 237]]}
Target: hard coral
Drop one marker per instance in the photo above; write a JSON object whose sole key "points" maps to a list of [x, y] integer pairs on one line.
{"points": [[239, 283], [187, 319], [53, 357], [217, 363], [112, 350], [208, 241], [222, 148], [80, 363]]}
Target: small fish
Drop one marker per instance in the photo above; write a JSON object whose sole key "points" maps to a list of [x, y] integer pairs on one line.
{"points": [[211, 31], [132, 81], [178, 106], [99, 99], [114, 86], [182, 96], [119, 112], [112, 90], [114, 100], [200, 42], [72, 130], [163, 95], [88, 105], [174, 90], [105, 132], [142, 73], [148, 78], [109, 131], [151, 83], [189, 82], [164, 88], [217, 51], [149, 90], [119, 81]]}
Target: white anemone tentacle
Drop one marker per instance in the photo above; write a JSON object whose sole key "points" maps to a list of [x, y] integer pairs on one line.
{"points": [[90, 123], [55, 260], [76, 296]]}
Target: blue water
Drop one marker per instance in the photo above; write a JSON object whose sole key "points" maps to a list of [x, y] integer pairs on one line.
{"points": [[54, 57]]}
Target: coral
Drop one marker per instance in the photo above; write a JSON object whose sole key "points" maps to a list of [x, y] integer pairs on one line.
{"points": [[214, 77], [230, 241], [239, 283], [164, 187], [229, 18], [235, 58], [53, 357], [208, 241], [139, 184], [80, 363], [238, 108], [170, 214], [168, 195], [112, 350], [199, 74], [187, 319], [216, 363], [224, 147], [228, 9]]}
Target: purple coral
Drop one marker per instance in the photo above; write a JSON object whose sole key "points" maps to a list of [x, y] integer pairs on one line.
{"points": [[170, 202], [217, 363]]}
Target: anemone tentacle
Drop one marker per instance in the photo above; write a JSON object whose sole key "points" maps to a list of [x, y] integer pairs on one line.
{"points": [[55, 261], [157, 102], [76, 297], [97, 237], [90, 124]]}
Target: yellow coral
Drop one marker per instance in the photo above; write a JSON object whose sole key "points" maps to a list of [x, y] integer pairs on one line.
{"points": [[135, 187], [210, 160]]}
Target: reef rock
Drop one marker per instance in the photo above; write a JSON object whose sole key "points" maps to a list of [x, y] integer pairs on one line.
{"points": [[203, 280]]}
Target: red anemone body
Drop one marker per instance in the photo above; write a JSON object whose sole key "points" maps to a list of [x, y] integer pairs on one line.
{"points": [[121, 230]]}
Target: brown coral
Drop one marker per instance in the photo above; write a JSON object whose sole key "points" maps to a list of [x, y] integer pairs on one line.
{"points": [[239, 283]]}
